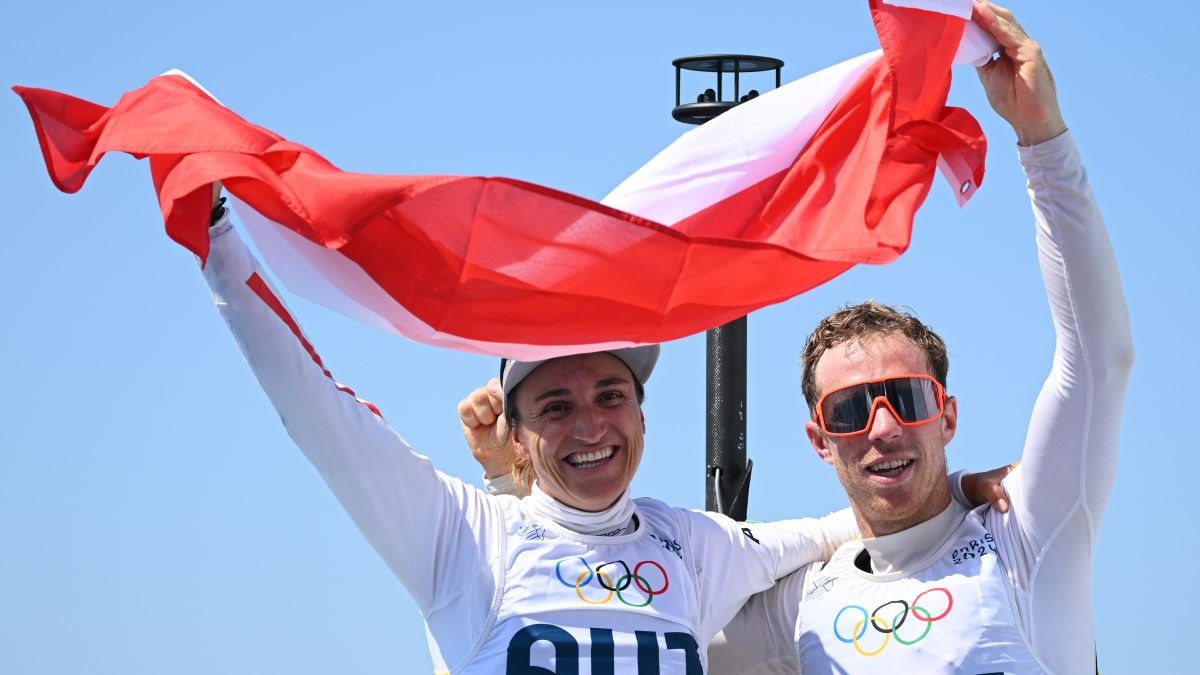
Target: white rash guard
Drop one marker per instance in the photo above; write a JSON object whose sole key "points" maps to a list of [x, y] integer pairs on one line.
{"points": [[501, 587], [1044, 543]]}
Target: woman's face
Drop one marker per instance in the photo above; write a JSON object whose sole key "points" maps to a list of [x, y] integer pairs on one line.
{"points": [[582, 428]]}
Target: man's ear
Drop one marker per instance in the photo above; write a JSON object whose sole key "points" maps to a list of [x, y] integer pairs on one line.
{"points": [[819, 442], [949, 419]]}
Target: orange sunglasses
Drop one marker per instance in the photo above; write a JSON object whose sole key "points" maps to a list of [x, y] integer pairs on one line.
{"points": [[912, 400]]}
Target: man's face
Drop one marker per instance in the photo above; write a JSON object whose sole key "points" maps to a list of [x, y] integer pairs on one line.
{"points": [[582, 428], [887, 497]]}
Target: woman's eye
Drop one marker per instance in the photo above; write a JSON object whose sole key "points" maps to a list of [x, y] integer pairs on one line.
{"points": [[612, 397], [556, 409]]}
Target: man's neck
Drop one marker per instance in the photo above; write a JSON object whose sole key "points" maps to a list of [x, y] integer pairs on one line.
{"points": [[879, 525], [908, 548]]}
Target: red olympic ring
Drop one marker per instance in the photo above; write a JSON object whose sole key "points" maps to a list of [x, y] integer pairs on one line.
{"points": [[637, 579], [949, 604]]}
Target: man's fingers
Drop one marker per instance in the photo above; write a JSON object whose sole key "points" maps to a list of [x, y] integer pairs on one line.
{"points": [[998, 498], [1002, 12], [1005, 29]]}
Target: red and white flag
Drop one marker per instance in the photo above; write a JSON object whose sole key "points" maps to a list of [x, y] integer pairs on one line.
{"points": [[776, 196]]}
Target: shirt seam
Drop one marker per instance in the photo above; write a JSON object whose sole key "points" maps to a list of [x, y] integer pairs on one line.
{"points": [[501, 534]]}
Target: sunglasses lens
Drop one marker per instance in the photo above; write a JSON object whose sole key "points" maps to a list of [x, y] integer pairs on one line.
{"points": [[913, 398], [848, 411]]}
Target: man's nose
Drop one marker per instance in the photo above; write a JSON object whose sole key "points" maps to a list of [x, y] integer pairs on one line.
{"points": [[884, 426]]}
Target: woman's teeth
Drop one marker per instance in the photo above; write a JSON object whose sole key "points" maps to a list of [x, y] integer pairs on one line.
{"points": [[585, 458]]}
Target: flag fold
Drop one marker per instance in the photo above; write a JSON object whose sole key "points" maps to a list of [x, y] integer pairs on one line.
{"points": [[775, 197]]}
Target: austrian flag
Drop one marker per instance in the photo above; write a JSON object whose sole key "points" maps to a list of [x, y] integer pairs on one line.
{"points": [[778, 195]]}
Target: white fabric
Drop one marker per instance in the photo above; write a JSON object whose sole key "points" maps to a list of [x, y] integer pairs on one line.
{"points": [[452, 546], [952, 611], [977, 46], [737, 150], [959, 8], [504, 484], [905, 550], [1057, 496], [586, 604], [616, 519]]}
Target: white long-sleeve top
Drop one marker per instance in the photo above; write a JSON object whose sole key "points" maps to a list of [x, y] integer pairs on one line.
{"points": [[494, 576], [1057, 496]]}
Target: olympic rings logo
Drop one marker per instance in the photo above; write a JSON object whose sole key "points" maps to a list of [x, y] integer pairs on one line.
{"points": [[603, 576], [879, 620]]}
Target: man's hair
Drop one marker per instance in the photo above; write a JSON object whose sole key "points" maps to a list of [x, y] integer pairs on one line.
{"points": [[864, 322]]}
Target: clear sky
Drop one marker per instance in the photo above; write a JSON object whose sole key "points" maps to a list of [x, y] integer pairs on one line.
{"points": [[155, 518]]}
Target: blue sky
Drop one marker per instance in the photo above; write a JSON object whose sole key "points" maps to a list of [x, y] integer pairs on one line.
{"points": [[156, 517]]}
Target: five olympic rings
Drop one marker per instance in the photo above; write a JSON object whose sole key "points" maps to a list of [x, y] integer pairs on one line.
{"points": [[625, 579], [879, 621]]}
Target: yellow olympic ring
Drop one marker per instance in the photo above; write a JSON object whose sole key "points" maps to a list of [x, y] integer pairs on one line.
{"points": [[579, 588], [886, 636]]}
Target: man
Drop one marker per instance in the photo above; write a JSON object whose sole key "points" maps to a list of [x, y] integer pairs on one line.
{"points": [[932, 587]]}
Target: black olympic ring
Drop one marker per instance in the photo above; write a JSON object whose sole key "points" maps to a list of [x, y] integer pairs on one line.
{"points": [[625, 578], [903, 615]]}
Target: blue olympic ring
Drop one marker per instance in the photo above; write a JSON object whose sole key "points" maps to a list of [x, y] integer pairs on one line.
{"points": [[863, 632]]}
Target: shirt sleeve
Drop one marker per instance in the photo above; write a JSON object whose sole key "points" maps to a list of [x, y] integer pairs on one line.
{"points": [[504, 485], [1070, 455], [394, 495], [736, 560], [760, 640]]}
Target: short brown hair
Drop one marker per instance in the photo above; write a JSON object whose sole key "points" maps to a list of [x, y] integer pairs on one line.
{"points": [[863, 322]]}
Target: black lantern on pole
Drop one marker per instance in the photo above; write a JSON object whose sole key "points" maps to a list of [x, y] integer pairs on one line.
{"points": [[727, 471]]}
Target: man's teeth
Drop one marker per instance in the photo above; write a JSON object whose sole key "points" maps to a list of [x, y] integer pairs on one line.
{"points": [[581, 458], [888, 466]]}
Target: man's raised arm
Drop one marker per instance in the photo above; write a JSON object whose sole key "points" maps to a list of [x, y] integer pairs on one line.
{"points": [[1071, 448]]}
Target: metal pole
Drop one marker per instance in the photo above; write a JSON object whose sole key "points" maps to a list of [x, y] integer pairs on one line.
{"points": [[728, 472]]}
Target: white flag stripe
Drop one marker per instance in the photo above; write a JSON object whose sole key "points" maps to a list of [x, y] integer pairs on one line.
{"points": [[737, 150], [754, 141], [959, 8], [976, 47]]}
